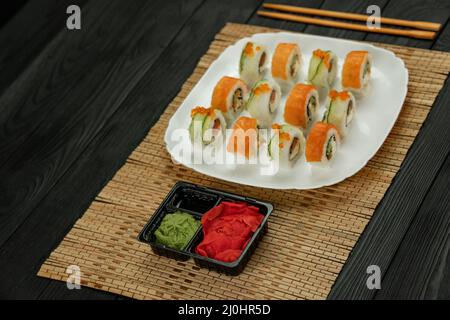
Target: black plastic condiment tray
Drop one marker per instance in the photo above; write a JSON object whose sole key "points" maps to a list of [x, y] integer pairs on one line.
{"points": [[197, 200]]}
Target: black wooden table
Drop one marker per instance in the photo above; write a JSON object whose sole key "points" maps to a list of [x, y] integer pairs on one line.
{"points": [[74, 104]]}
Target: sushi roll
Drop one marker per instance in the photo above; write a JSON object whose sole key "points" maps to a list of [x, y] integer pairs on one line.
{"points": [[229, 97], [322, 143], [206, 125], [252, 63], [340, 109], [286, 145], [322, 68], [286, 64], [244, 138], [301, 105], [264, 101], [356, 72]]}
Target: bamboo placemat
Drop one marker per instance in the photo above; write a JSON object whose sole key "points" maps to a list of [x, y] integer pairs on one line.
{"points": [[311, 233]]}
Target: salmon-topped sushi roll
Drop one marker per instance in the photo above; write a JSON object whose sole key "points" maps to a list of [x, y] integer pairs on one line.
{"points": [[264, 101], [301, 105], [229, 97], [252, 63], [356, 72], [340, 109], [286, 62], [322, 143], [244, 138], [322, 68], [206, 125]]}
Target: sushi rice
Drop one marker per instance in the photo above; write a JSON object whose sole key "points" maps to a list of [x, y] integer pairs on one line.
{"points": [[322, 68], [286, 145], [206, 125], [322, 143], [229, 96], [252, 63], [340, 110], [264, 101], [301, 105], [356, 72], [244, 139], [286, 64]]}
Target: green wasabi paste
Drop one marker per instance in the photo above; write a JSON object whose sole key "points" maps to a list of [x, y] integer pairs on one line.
{"points": [[176, 230]]}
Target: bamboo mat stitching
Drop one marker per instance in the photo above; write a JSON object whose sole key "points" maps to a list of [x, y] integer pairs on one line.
{"points": [[311, 233]]}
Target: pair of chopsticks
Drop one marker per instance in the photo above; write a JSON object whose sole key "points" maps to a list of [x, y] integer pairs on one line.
{"points": [[430, 27]]}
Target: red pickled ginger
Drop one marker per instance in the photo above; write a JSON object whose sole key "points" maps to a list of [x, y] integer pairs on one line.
{"points": [[227, 228]]}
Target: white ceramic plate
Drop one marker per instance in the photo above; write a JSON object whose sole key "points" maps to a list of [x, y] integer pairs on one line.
{"points": [[375, 114]]}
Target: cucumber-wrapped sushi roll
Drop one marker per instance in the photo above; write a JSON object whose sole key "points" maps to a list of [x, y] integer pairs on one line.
{"points": [[229, 96], [252, 63], [244, 138], [322, 68], [301, 105], [264, 101], [286, 62], [206, 124], [322, 143], [340, 108], [356, 72], [286, 145]]}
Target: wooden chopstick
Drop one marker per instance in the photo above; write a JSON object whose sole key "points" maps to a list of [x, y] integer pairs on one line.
{"points": [[423, 25], [419, 34]]}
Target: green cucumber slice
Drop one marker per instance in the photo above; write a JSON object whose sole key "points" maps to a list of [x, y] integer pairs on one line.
{"points": [[197, 117], [252, 95], [328, 113], [241, 62], [314, 67], [269, 147]]}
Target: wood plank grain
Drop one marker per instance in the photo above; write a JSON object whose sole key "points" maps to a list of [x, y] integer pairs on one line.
{"points": [[423, 10], [21, 41], [11, 9], [58, 290], [382, 237], [56, 108], [425, 255], [119, 44], [442, 43], [391, 10], [72, 194], [421, 263], [354, 6], [390, 222], [101, 161], [58, 76], [349, 6], [286, 25]]}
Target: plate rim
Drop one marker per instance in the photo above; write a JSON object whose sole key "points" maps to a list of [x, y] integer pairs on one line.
{"points": [[290, 187]]}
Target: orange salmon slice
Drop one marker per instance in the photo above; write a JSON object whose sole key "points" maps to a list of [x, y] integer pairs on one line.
{"points": [[281, 59], [351, 70], [296, 104], [244, 129], [221, 92], [316, 140]]}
